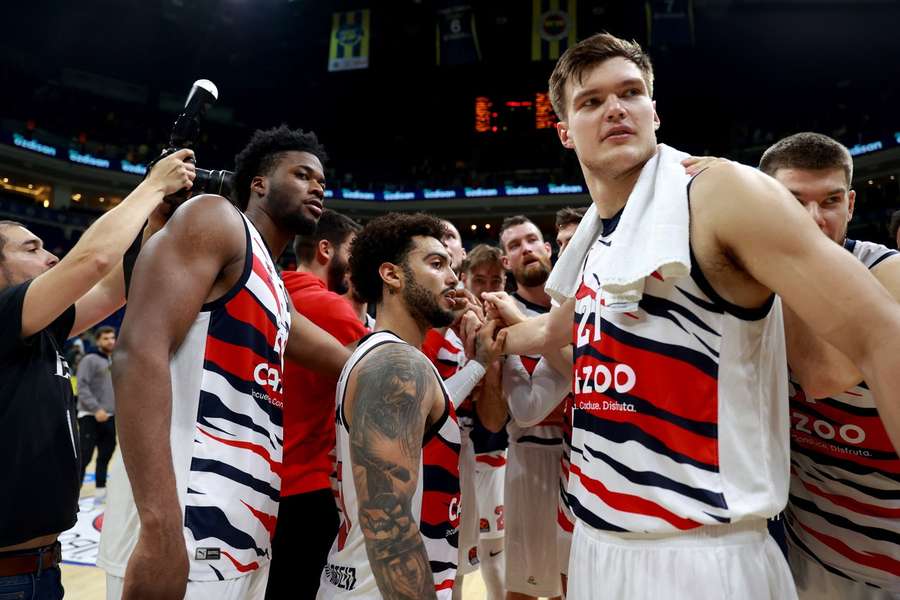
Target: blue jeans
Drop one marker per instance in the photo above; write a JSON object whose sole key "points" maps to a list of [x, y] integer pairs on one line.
{"points": [[46, 585]]}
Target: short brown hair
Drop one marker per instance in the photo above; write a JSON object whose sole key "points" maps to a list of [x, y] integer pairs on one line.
{"points": [[569, 216], [3, 237], [103, 330], [482, 254], [512, 222], [589, 52], [332, 226], [807, 150]]}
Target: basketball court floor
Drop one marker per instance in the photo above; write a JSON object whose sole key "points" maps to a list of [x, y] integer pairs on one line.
{"points": [[83, 581]]}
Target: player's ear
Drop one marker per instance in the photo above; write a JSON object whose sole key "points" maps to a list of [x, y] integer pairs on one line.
{"points": [[392, 276], [260, 185], [324, 252], [562, 130]]}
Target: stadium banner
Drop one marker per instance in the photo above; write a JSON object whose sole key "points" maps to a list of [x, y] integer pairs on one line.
{"points": [[456, 39], [553, 28], [350, 33], [670, 23], [438, 193]]}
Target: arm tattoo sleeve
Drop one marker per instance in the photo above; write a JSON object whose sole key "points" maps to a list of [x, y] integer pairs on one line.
{"points": [[392, 400]]}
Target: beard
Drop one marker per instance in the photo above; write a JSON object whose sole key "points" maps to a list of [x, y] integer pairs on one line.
{"points": [[336, 277], [533, 274], [422, 304], [293, 220]]}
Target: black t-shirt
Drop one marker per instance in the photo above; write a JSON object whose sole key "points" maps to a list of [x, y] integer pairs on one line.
{"points": [[39, 437]]}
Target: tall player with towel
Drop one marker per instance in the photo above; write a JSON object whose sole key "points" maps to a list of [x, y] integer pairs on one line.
{"points": [[680, 427]]}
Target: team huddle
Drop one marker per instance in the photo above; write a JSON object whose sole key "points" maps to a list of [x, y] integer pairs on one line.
{"points": [[699, 399], [630, 422]]}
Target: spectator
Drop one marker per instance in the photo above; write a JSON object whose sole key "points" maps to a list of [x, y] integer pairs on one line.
{"points": [[97, 408]]}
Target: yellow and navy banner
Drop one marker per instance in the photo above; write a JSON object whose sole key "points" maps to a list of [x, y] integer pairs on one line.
{"points": [[350, 33], [553, 28]]}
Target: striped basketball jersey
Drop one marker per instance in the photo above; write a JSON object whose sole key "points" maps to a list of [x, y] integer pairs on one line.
{"points": [[448, 355], [547, 433], [844, 504], [564, 517], [226, 428], [680, 416], [435, 505]]}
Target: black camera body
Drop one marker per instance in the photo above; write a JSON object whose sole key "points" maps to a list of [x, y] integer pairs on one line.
{"points": [[184, 135]]}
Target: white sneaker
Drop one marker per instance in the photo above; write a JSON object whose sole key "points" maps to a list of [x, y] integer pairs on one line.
{"points": [[100, 497]]}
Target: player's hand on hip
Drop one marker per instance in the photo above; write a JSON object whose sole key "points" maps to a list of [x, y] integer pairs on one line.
{"points": [[158, 567]]}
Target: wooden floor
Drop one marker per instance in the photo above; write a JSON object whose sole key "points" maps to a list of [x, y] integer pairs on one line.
{"points": [[89, 583]]}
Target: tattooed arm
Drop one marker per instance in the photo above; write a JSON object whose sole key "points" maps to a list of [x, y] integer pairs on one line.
{"points": [[391, 393]]}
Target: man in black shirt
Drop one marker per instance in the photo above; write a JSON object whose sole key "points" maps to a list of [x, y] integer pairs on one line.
{"points": [[44, 301]]}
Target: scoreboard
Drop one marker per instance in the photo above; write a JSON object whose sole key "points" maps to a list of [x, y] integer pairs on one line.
{"points": [[514, 114]]}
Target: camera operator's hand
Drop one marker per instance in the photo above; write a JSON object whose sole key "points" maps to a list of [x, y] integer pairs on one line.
{"points": [[173, 173]]}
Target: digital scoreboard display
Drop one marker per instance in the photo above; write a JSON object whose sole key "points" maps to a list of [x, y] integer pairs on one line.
{"points": [[498, 115]]}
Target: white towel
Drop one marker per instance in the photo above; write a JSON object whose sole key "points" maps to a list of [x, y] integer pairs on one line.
{"points": [[653, 235]]}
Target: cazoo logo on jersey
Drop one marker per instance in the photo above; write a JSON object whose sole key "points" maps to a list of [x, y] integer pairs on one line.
{"points": [[268, 376], [599, 379]]}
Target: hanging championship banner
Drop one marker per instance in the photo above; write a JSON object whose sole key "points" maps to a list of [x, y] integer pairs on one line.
{"points": [[553, 28], [349, 48], [457, 38]]}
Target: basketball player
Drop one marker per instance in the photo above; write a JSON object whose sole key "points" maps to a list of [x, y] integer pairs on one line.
{"points": [[198, 375], [462, 377], [680, 454], [398, 439], [567, 220], [535, 438], [483, 455], [843, 517], [453, 241]]}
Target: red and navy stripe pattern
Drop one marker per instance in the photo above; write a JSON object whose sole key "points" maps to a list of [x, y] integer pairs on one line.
{"points": [[233, 485], [564, 517], [844, 505], [648, 449], [447, 354]]}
